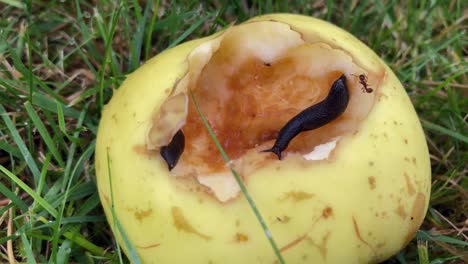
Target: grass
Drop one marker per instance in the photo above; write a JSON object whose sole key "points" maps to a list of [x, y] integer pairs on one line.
{"points": [[61, 60]]}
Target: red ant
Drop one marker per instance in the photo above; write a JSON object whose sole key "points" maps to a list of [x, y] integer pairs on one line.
{"points": [[365, 85]]}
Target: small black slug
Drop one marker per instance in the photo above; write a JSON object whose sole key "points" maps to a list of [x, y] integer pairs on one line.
{"points": [[172, 152], [315, 116]]}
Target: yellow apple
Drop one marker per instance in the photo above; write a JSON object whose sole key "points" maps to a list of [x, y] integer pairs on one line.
{"points": [[352, 191]]}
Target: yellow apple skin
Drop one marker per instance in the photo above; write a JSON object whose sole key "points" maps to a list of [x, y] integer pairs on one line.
{"points": [[362, 206]]}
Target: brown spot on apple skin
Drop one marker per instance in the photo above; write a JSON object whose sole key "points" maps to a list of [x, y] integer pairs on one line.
{"points": [[416, 216], [182, 224], [240, 237], [406, 141], [142, 214], [322, 246], [293, 243], [143, 151], [283, 219], [327, 212], [371, 181], [401, 211], [409, 185], [358, 233], [106, 197], [381, 245], [296, 196], [149, 246]]}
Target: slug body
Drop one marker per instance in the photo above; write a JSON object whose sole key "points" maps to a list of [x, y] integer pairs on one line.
{"points": [[315, 116], [172, 152]]}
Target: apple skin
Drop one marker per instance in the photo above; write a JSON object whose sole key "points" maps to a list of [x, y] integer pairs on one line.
{"points": [[362, 206]]}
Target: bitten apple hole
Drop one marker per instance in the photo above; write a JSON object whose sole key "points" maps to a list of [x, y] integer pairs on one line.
{"points": [[257, 77]]}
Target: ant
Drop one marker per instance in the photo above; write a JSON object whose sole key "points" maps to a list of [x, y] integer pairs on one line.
{"points": [[365, 85]]}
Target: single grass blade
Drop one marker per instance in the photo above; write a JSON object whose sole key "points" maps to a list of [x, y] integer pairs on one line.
{"points": [[30, 191], [63, 253], [5, 239], [149, 35], [14, 3], [137, 10], [247, 196], [90, 204], [138, 36], [27, 247], [189, 31], [423, 253], [78, 239], [446, 239], [44, 170], [443, 130], [13, 198], [10, 149], [5, 208], [84, 219], [61, 122], [133, 255], [34, 117]]}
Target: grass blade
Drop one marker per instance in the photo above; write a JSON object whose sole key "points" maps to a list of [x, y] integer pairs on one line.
{"points": [[423, 252], [107, 53], [446, 239], [20, 143], [444, 130], [14, 3], [45, 167], [61, 121], [189, 31], [37, 198], [27, 247], [13, 198], [64, 252], [150, 30], [84, 243], [43, 132], [10, 149], [247, 196], [137, 40], [133, 255], [58, 221]]}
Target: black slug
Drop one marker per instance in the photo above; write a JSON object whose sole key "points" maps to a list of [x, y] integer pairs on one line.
{"points": [[172, 152], [315, 116]]}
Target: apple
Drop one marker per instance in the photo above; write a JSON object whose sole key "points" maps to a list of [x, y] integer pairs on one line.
{"points": [[352, 191]]}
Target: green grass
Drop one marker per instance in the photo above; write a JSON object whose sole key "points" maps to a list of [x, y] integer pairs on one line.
{"points": [[61, 60]]}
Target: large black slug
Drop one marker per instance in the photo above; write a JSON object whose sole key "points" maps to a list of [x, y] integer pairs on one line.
{"points": [[315, 116], [172, 152]]}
